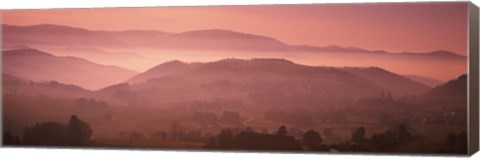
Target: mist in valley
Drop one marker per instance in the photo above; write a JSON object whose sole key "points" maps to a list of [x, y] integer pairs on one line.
{"points": [[220, 89]]}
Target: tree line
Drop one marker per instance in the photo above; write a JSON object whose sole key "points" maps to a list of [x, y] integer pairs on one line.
{"points": [[75, 133], [78, 133], [281, 140]]}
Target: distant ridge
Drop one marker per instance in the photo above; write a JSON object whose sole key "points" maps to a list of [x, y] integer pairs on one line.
{"points": [[150, 47], [169, 40]]}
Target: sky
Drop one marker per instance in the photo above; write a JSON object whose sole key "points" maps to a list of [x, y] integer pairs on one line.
{"points": [[402, 27]]}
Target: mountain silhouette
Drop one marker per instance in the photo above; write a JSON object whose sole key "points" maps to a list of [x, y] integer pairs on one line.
{"points": [[425, 80], [35, 65], [265, 81], [13, 85], [434, 54], [13, 79], [456, 88], [217, 39], [396, 84], [125, 59], [215, 44], [168, 68], [452, 94], [332, 48], [222, 34], [45, 29], [58, 35], [136, 38], [195, 39]]}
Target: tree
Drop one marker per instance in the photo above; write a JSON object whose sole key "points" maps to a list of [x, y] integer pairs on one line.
{"points": [[176, 130], [450, 140], [457, 143], [75, 133], [78, 132], [45, 134], [225, 138], [311, 139], [160, 135], [264, 131], [265, 142], [463, 142], [358, 136], [211, 143], [380, 141], [403, 134], [282, 131], [9, 139], [194, 136]]}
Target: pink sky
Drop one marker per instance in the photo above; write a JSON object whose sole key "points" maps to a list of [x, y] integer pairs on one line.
{"points": [[413, 27]]}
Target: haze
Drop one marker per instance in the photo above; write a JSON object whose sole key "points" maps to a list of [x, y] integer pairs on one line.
{"points": [[405, 27], [311, 78]]}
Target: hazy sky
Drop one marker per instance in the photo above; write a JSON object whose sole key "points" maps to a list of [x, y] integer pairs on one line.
{"points": [[414, 27]]}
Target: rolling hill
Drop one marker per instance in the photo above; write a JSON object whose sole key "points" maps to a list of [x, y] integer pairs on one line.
{"points": [[396, 84], [264, 81], [456, 88], [425, 80], [13, 85], [35, 65]]}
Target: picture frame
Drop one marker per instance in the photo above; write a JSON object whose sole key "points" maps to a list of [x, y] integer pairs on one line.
{"points": [[472, 111]]}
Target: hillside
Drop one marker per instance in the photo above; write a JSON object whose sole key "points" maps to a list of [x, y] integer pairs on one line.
{"points": [[264, 81], [456, 88], [396, 84], [13, 85], [35, 65], [425, 80]]}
